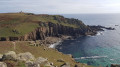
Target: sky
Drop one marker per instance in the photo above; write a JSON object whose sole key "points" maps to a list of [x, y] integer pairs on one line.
{"points": [[60, 6]]}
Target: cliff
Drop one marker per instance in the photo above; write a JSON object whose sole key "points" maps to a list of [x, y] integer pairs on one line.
{"points": [[27, 26]]}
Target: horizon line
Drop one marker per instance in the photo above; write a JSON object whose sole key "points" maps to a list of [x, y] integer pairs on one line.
{"points": [[58, 13]]}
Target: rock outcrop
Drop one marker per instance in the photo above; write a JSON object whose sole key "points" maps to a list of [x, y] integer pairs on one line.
{"points": [[11, 55], [100, 28], [31, 64], [28, 59], [25, 56]]}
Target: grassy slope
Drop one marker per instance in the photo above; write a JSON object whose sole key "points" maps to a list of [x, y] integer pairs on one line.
{"points": [[23, 23], [51, 54], [18, 22]]}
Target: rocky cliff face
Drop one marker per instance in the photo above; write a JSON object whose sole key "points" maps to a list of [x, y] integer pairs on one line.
{"points": [[51, 29], [48, 29]]}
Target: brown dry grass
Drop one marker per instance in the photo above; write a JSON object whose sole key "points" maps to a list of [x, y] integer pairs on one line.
{"points": [[51, 54]]}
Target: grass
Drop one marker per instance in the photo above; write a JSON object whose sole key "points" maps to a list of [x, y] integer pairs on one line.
{"points": [[24, 23], [22, 29], [52, 54]]}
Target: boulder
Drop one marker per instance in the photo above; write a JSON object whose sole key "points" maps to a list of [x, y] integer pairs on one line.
{"points": [[25, 56], [115, 65], [1, 56], [47, 64], [51, 63], [40, 60], [2, 64], [65, 65], [11, 55], [43, 62], [31, 64]]}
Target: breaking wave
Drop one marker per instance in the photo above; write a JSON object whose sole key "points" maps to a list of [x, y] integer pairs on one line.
{"points": [[99, 33], [55, 44], [91, 57]]}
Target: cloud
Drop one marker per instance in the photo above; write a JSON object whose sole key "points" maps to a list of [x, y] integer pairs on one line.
{"points": [[61, 6]]}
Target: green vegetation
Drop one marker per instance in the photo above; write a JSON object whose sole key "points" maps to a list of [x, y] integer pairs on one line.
{"points": [[21, 64], [19, 24]]}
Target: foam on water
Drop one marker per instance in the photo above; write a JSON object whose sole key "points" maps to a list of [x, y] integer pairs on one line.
{"points": [[91, 57], [55, 44], [99, 33]]}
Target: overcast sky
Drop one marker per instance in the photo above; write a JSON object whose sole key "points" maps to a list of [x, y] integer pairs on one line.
{"points": [[60, 6]]}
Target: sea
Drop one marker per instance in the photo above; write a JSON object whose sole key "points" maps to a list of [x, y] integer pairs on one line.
{"points": [[102, 49]]}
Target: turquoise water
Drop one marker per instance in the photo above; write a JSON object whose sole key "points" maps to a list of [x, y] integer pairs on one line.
{"points": [[100, 50]]}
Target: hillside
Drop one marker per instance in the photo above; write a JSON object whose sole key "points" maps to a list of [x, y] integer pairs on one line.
{"points": [[28, 26], [53, 56]]}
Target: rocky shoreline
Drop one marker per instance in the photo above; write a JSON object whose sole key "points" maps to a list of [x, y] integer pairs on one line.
{"points": [[100, 28], [47, 32], [51, 42]]}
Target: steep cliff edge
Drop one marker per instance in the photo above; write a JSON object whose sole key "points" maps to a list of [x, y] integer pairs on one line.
{"points": [[26, 27]]}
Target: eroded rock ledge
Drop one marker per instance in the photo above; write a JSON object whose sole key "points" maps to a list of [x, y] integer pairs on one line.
{"points": [[51, 29]]}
